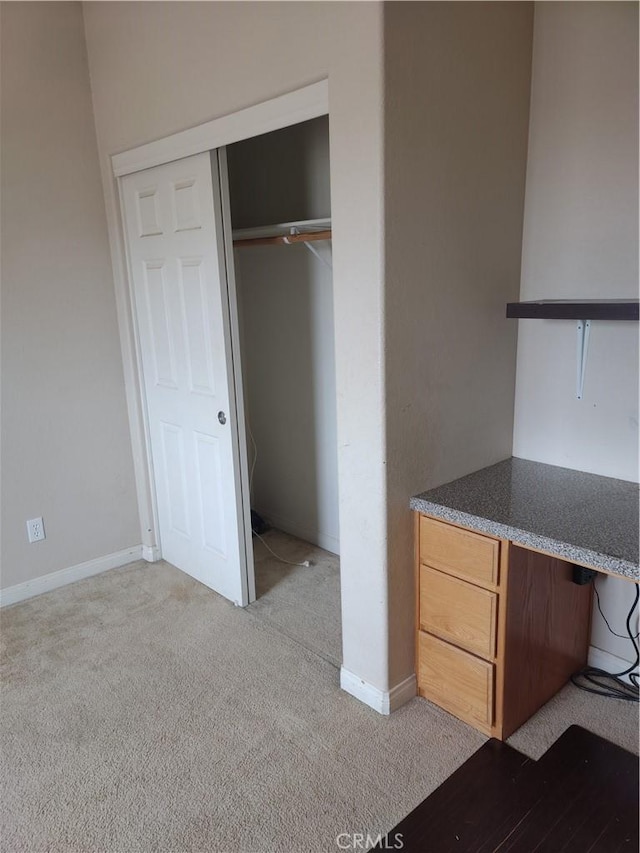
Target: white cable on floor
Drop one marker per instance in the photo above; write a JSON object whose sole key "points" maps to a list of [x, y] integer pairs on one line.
{"points": [[255, 459], [304, 565]]}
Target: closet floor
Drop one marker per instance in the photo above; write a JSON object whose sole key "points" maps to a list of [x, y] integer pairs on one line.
{"points": [[301, 602]]}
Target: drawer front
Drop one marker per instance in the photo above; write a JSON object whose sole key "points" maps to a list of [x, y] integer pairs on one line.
{"points": [[458, 612], [457, 681], [459, 552]]}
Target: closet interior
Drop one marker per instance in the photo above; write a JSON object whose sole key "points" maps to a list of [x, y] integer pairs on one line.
{"points": [[279, 186]]}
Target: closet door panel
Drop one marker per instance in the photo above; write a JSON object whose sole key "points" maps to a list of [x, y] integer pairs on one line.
{"points": [[176, 253]]}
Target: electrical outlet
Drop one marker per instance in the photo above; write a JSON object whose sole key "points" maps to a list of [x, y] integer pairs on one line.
{"points": [[35, 529]]}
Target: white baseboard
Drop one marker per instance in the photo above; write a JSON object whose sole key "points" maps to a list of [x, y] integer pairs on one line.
{"points": [[151, 553], [46, 583], [382, 701], [403, 693], [322, 540], [608, 662]]}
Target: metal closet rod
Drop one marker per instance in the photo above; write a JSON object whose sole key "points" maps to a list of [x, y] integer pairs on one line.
{"points": [[284, 239]]}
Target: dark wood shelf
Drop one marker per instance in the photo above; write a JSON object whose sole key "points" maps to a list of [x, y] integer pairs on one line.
{"points": [[575, 309]]}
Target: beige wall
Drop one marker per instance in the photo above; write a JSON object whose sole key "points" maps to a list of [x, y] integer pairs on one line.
{"points": [[581, 237], [157, 68], [457, 83], [66, 452], [581, 241], [424, 374]]}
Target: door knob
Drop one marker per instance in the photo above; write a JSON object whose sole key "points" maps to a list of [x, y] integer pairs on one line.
{"points": [[222, 417]]}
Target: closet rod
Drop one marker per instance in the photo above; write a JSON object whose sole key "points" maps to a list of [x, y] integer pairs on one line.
{"points": [[285, 239]]}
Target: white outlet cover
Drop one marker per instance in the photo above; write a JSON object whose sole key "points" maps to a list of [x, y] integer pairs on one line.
{"points": [[35, 530]]}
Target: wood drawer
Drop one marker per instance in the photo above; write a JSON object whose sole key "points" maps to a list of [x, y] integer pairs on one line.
{"points": [[458, 612], [462, 553], [457, 681]]}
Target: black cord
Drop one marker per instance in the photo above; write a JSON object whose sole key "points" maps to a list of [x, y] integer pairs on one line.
{"points": [[606, 621], [610, 684]]}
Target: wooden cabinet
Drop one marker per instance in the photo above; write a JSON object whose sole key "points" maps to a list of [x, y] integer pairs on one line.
{"points": [[459, 682], [459, 552], [500, 628], [458, 612]]}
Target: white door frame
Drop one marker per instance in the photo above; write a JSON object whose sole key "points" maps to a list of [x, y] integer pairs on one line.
{"points": [[286, 110], [295, 107]]}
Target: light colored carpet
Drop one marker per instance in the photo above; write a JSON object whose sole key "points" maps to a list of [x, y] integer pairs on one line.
{"points": [[142, 712], [303, 603], [613, 719]]}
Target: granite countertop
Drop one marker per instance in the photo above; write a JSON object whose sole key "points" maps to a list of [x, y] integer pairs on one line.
{"points": [[583, 518]]}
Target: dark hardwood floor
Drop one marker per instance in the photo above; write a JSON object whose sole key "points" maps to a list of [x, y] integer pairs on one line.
{"points": [[580, 797]]}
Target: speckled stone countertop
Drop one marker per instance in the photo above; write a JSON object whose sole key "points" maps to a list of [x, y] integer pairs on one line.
{"points": [[583, 518]]}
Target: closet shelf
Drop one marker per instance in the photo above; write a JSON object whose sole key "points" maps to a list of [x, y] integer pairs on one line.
{"points": [[286, 233]]}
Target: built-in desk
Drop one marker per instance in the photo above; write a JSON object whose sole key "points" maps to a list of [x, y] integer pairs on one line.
{"points": [[501, 621]]}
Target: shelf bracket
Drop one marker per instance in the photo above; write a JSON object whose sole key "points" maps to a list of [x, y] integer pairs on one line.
{"points": [[295, 232], [582, 346], [315, 252]]}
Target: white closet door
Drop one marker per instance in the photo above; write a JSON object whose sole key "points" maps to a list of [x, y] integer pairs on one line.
{"points": [[176, 253]]}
